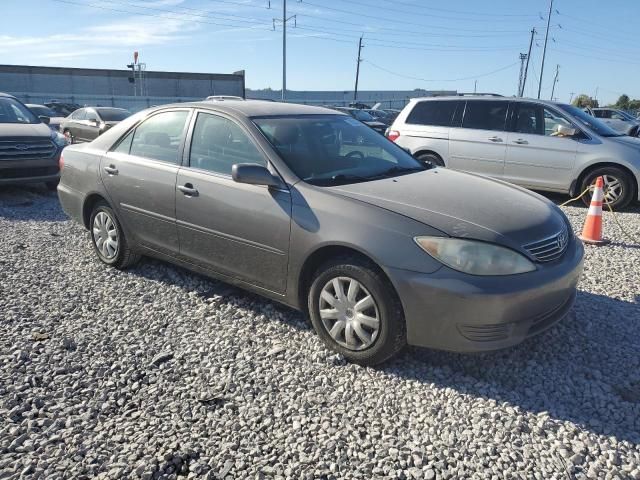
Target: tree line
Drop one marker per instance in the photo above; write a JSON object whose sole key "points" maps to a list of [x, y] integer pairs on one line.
{"points": [[623, 102]]}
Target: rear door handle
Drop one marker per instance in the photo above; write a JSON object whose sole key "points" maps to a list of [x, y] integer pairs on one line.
{"points": [[188, 190], [520, 141], [495, 139], [111, 170]]}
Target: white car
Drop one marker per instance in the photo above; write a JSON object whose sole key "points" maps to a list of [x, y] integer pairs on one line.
{"points": [[537, 144], [618, 120]]}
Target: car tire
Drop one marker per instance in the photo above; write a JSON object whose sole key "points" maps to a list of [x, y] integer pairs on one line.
{"points": [[53, 186], [103, 226], [430, 159], [372, 342], [621, 194]]}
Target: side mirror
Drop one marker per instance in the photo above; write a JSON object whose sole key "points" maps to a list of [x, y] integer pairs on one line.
{"points": [[95, 121], [44, 119], [564, 131], [254, 174]]}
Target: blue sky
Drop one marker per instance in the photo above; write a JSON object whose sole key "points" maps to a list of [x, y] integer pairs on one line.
{"points": [[431, 44]]}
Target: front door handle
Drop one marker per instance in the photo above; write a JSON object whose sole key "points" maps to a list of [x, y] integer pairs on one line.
{"points": [[520, 141], [111, 170], [495, 139], [188, 190]]}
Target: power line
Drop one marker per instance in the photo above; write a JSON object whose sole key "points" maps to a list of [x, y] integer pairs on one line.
{"points": [[442, 80], [492, 15]]}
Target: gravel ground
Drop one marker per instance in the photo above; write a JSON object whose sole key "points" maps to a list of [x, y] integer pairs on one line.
{"points": [[160, 373]]}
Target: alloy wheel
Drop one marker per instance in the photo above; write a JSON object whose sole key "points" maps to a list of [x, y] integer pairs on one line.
{"points": [[105, 235], [613, 188], [349, 313]]}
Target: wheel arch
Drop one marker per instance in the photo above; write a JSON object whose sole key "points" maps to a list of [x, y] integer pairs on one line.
{"points": [[423, 151], [87, 207], [324, 254]]}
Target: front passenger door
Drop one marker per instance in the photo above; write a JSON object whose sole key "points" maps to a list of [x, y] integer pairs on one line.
{"points": [[238, 230]]}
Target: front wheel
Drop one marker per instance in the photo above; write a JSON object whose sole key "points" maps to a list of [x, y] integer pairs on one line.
{"points": [[108, 238], [618, 186], [356, 311]]}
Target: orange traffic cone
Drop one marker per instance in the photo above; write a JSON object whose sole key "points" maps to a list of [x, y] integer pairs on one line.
{"points": [[592, 231]]}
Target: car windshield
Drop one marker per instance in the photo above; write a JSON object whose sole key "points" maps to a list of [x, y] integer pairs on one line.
{"points": [[113, 114], [587, 120], [363, 116], [328, 150], [625, 115], [12, 111], [42, 110]]}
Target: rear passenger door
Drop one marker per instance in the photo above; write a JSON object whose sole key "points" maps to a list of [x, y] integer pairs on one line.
{"points": [[426, 128], [139, 174], [478, 145], [235, 229], [536, 156]]}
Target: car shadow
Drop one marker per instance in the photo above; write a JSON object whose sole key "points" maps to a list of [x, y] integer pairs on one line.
{"points": [[32, 202], [559, 199], [585, 370]]}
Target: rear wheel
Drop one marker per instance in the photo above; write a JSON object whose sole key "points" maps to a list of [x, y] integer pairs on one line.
{"points": [[618, 186], [430, 160], [108, 238], [356, 311]]}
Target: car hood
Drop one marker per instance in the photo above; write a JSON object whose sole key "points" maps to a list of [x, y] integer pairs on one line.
{"points": [[24, 130], [464, 205], [633, 142]]}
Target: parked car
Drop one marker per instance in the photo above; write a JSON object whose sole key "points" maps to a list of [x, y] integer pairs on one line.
{"points": [[62, 109], [380, 116], [619, 120], [537, 144], [29, 149], [364, 117], [223, 97], [47, 115], [86, 124], [375, 247]]}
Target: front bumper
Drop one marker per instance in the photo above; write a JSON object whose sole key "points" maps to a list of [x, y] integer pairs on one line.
{"points": [[449, 310], [31, 170]]}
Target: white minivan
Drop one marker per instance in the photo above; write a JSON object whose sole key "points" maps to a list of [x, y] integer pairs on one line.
{"points": [[533, 143]]}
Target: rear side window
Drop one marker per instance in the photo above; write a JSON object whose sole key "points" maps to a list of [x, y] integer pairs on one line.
{"points": [[485, 115], [159, 137], [79, 114], [438, 113]]}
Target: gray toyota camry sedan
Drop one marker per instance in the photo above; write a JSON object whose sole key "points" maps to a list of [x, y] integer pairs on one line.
{"points": [[314, 209]]}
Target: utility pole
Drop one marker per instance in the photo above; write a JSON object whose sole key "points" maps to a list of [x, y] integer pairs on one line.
{"points": [[475, 86], [355, 91], [284, 44], [555, 80], [544, 51], [526, 68], [571, 97], [523, 57]]}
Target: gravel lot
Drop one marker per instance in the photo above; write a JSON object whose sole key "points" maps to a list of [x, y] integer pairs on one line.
{"points": [[160, 373]]}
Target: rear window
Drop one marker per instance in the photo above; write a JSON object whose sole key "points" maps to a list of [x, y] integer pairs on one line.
{"points": [[485, 115], [437, 113]]}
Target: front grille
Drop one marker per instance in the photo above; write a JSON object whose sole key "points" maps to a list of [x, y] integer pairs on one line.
{"points": [[19, 149], [6, 173], [550, 248]]}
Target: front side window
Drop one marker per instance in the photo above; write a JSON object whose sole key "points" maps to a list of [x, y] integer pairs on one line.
{"points": [[328, 150], [588, 121], [79, 114], [92, 116], [218, 144], [437, 113], [551, 122], [528, 119], [159, 136], [485, 115], [12, 111]]}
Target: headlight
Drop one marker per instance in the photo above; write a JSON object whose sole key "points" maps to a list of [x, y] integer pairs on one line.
{"points": [[474, 257], [59, 139]]}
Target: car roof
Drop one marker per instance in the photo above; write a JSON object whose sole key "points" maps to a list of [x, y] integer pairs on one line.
{"points": [[486, 98], [6, 95], [256, 108]]}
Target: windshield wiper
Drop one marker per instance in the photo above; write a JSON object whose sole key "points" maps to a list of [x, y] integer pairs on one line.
{"points": [[393, 171], [339, 178]]}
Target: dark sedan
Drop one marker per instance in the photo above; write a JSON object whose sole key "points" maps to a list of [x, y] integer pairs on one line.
{"points": [[87, 124], [365, 118]]}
